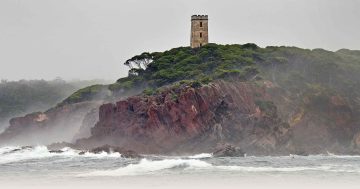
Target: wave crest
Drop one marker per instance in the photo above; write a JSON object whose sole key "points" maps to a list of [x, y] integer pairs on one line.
{"points": [[200, 156], [146, 167]]}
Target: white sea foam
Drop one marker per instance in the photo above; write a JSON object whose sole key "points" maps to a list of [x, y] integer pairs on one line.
{"points": [[8, 155], [147, 167], [24, 154], [187, 164], [341, 156], [200, 156]]}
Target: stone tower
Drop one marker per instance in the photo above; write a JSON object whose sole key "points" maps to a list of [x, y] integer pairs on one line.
{"points": [[199, 31]]}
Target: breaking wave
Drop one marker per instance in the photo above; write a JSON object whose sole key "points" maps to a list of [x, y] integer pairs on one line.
{"points": [[199, 163], [147, 167], [16, 154]]}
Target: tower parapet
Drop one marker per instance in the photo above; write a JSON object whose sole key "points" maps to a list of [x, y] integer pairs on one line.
{"points": [[199, 17], [199, 31]]}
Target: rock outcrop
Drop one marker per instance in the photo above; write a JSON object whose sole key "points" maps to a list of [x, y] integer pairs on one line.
{"points": [[111, 149], [228, 151], [188, 119], [258, 117]]}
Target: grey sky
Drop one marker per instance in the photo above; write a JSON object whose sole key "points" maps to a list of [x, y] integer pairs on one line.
{"points": [[87, 39]]}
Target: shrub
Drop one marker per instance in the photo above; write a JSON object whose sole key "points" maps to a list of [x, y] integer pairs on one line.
{"points": [[149, 91]]}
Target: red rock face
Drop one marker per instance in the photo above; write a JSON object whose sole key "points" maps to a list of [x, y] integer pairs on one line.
{"points": [[191, 119]]}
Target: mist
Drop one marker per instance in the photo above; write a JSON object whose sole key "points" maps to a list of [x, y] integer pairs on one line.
{"points": [[18, 98], [49, 116], [87, 39]]}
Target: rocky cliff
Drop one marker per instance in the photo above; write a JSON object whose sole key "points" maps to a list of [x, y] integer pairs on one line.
{"points": [[263, 101], [259, 117], [188, 119]]}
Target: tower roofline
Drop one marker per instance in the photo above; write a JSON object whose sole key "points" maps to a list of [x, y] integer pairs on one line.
{"points": [[199, 17]]}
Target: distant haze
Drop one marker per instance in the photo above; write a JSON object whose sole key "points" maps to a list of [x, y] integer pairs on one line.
{"points": [[86, 39]]}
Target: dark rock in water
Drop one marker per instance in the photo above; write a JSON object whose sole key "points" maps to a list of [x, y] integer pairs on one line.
{"points": [[82, 153], [19, 149], [130, 154], [108, 149], [56, 151], [100, 149], [229, 151], [14, 150]]}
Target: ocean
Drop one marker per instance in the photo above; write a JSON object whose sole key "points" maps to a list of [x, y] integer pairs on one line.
{"points": [[38, 168]]}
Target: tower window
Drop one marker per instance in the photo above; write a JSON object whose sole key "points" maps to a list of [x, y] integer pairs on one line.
{"points": [[200, 24], [200, 35], [200, 44]]}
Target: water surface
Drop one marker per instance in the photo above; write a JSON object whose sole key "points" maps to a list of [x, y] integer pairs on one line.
{"points": [[38, 168]]}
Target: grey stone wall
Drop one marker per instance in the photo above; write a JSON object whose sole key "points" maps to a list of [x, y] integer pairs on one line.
{"points": [[199, 31]]}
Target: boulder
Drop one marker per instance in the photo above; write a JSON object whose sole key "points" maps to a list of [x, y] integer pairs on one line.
{"points": [[111, 149], [19, 149], [229, 151], [56, 151]]}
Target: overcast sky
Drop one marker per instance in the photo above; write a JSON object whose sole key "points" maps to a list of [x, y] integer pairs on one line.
{"points": [[87, 39]]}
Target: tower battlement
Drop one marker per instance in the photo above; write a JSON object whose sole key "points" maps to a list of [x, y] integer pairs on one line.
{"points": [[199, 31], [199, 17]]}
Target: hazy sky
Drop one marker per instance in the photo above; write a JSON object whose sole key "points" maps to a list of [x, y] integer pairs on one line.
{"points": [[86, 39]]}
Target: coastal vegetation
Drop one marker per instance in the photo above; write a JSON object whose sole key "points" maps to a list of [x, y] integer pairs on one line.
{"points": [[299, 71]]}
